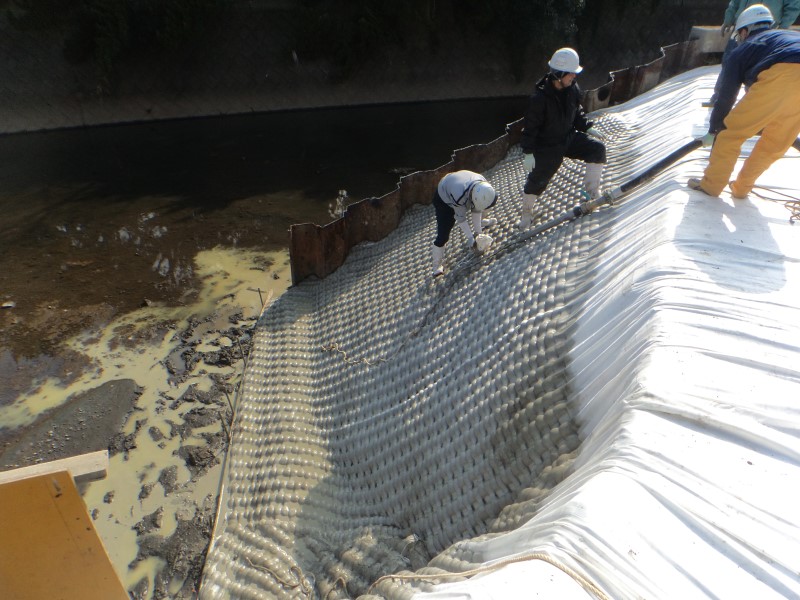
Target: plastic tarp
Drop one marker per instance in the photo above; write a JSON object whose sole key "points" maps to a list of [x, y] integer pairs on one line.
{"points": [[687, 371]]}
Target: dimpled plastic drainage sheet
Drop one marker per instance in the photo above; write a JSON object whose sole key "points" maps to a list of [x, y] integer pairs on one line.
{"points": [[391, 424]]}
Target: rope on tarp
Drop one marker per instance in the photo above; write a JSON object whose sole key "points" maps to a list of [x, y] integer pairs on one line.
{"points": [[791, 203], [301, 584], [335, 347]]}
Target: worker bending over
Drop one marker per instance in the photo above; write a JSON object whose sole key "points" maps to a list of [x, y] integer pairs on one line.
{"points": [[784, 14], [460, 195], [767, 62], [555, 126]]}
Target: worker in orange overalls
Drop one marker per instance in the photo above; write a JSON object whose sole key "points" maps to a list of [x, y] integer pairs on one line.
{"points": [[767, 62]]}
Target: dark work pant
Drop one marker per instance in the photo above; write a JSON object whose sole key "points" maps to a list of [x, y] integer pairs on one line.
{"points": [[579, 146], [445, 219]]}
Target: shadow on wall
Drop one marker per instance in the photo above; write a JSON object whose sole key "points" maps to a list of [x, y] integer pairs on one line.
{"points": [[318, 250]]}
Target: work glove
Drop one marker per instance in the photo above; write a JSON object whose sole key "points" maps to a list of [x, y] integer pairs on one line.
{"points": [[482, 242], [708, 139], [528, 163], [465, 227], [592, 131], [726, 30]]}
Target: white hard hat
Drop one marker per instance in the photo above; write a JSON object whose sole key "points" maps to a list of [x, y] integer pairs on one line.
{"points": [[565, 60], [758, 13], [483, 196]]}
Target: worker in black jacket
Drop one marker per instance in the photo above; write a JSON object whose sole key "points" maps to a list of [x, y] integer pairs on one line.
{"points": [[555, 127]]}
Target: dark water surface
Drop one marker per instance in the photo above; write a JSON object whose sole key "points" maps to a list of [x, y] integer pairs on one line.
{"points": [[210, 162], [87, 214]]}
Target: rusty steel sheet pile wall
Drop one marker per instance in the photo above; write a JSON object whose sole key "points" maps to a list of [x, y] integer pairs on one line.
{"points": [[318, 250], [625, 84], [321, 249]]}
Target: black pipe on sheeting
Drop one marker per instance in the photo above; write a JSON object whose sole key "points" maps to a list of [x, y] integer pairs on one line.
{"points": [[610, 197], [661, 165]]}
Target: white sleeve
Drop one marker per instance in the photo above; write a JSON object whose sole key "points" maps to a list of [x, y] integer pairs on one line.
{"points": [[476, 222], [465, 227]]}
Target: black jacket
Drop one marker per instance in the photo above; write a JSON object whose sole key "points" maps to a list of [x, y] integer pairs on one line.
{"points": [[552, 116]]}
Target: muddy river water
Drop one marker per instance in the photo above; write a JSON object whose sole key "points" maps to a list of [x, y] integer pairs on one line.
{"points": [[134, 262]]}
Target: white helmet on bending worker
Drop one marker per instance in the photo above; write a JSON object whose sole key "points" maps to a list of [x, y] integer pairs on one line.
{"points": [[483, 196], [754, 17]]}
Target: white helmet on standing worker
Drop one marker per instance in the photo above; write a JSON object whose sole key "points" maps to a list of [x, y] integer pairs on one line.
{"points": [[483, 196], [565, 60], [752, 15]]}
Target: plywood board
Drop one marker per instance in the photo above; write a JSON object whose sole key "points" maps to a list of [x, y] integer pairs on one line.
{"points": [[49, 547]]}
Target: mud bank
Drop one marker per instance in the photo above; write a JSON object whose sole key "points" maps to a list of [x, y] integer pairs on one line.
{"points": [[157, 387], [87, 422]]}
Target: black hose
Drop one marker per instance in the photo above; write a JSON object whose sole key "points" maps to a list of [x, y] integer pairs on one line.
{"points": [[661, 165], [590, 206]]}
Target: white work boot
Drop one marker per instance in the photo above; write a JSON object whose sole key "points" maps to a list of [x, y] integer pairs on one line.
{"points": [[528, 210], [437, 254], [591, 179], [490, 222]]}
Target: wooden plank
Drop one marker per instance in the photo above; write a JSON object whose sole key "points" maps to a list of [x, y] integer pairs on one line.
{"points": [[83, 468], [49, 547]]}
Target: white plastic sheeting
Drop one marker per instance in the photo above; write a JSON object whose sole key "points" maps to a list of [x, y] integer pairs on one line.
{"points": [[687, 372], [603, 410]]}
